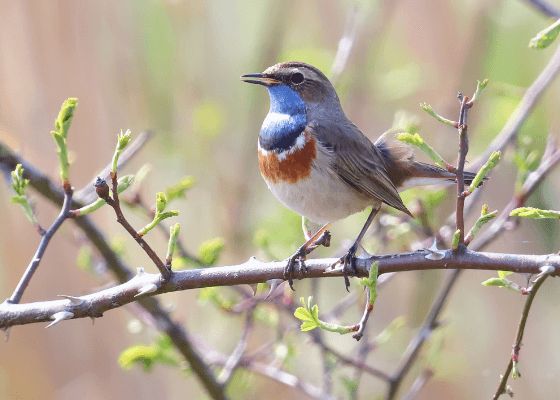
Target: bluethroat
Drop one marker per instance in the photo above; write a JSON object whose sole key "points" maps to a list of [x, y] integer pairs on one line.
{"points": [[320, 165]]}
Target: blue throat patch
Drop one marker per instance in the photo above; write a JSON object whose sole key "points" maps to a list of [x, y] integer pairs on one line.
{"points": [[285, 121]]}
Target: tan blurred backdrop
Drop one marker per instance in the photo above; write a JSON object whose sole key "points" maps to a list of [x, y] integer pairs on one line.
{"points": [[174, 67]]}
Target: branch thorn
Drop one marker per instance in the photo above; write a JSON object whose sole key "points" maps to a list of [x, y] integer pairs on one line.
{"points": [[76, 301], [150, 288], [433, 252], [60, 316], [274, 284]]}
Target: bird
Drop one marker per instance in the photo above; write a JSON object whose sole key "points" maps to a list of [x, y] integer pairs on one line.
{"points": [[320, 165]]}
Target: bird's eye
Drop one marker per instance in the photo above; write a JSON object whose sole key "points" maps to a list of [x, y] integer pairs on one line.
{"points": [[297, 78]]}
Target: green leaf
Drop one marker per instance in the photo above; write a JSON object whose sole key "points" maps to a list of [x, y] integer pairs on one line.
{"points": [[315, 312], [500, 282], [545, 37], [480, 86], [303, 314], [122, 142], [178, 190], [138, 354], [161, 202], [387, 333], [18, 199], [503, 274], [209, 251], [515, 370], [535, 213], [456, 237], [123, 139], [167, 214], [85, 258], [491, 163], [428, 108], [350, 385], [173, 235], [308, 325], [416, 140], [65, 116]]}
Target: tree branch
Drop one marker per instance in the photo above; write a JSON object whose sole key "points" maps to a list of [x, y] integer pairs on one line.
{"points": [[54, 193], [254, 271], [34, 264], [520, 330]]}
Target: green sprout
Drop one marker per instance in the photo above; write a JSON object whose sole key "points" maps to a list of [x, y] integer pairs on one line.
{"points": [[534, 213], [209, 251], [147, 356], [62, 123], [484, 218], [428, 108], [371, 282], [417, 141], [173, 235], [19, 184], [387, 333], [480, 86], [161, 214], [491, 163], [178, 190], [122, 184], [502, 281], [456, 237], [515, 370], [122, 142], [309, 314], [545, 37], [213, 295]]}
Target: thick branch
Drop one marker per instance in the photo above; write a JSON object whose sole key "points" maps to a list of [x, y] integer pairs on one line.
{"points": [[253, 271]]}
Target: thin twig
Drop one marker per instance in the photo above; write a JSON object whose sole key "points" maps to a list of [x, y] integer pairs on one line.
{"points": [[520, 330], [418, 384], [283, 377], [114, 202], [235, 357], [463, 150], [416, 344], [367, 312], [547, 9], [345, 45], [141, 205], [87, 194], [549, 161], [45, 240], [525, 107]]}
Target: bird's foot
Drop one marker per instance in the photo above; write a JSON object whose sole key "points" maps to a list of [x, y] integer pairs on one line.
{"points": [[298, 258], [348, 262]]}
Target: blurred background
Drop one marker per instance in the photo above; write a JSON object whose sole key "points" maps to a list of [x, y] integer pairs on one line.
{"points": [[174, 67]]}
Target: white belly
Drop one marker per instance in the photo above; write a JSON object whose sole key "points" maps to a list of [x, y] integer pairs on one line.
{"points": [[322, 197]]}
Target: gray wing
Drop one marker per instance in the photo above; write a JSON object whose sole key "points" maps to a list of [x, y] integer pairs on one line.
{"points": [[358, 162]]}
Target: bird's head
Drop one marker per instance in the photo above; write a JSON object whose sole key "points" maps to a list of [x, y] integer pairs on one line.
{"points": [[310, 84]]}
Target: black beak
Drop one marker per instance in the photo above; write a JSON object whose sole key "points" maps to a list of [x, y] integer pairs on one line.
{"points": [[261, 79]]}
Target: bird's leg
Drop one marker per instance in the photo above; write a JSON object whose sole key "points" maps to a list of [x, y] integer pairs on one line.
{"points": [[322, 237], [348, 260]]}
